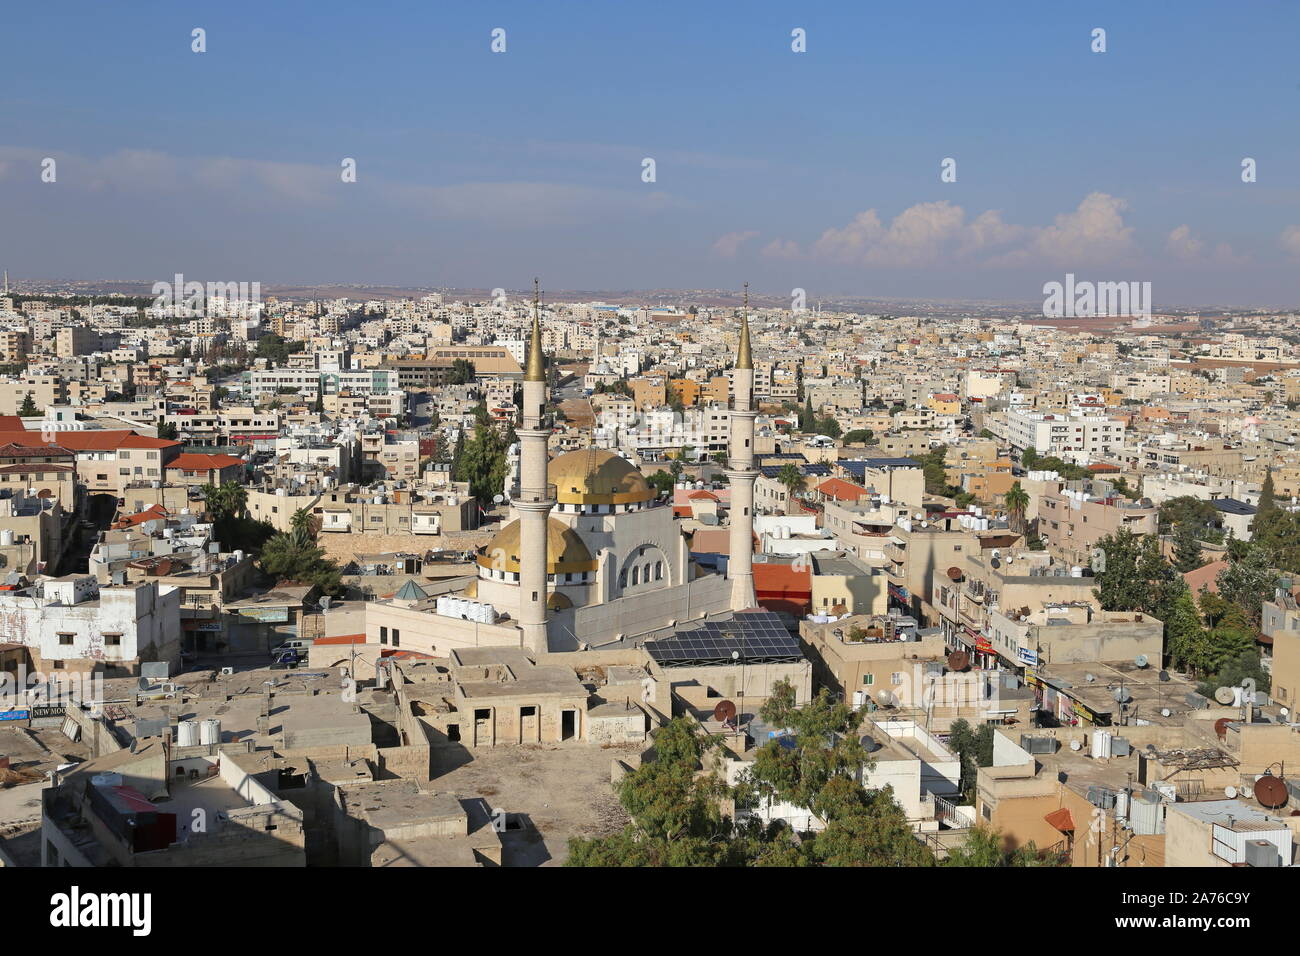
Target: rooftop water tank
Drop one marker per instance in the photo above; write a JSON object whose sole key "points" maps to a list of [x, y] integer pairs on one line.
{"points": [[210, 731], [187, 733]]}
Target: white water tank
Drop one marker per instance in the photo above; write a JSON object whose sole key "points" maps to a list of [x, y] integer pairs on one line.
{"points": [[210, 731], [1100, 744], [187, 733], [7, 536]]}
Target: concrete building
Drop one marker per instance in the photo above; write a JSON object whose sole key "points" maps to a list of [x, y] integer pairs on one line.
{"points": [[71, 625]]}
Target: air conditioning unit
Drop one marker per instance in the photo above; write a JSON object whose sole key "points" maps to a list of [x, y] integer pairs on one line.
{"points": [[227, 671], [169, 689]]}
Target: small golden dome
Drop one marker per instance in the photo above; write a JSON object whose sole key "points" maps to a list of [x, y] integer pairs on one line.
{"points": [[565, 552], [558, 602], [597, 477]]}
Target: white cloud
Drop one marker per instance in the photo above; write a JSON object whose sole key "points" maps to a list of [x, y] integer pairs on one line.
{"points": [[1290, 240], [727, 246], [1183, 244], [1094, 232], [933, 232]]}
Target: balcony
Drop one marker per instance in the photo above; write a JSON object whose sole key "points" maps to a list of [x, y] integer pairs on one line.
{"points": [[535, 495]]}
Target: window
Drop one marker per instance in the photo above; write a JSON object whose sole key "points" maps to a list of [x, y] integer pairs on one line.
{"points": [[868, 680], [113, 640], [383, 635], [65, 640]]}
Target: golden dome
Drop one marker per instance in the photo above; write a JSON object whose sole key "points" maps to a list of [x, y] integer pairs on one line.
{"points": [[558, 602], [597, 477], [565, 552]]}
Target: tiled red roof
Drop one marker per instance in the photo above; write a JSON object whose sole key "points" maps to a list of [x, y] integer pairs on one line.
{"points": [[106, 440], [842, 490], [193, 461], [152, 513], [15, 450], [342, 639]]}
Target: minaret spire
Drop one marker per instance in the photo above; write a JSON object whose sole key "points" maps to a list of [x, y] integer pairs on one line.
{"points": [[744, 356], [536, 368]]}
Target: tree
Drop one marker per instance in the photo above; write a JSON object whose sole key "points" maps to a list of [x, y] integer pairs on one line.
{"points": [[462, 372], [1186, 510], [482, 462], [1135, 576], [974, 749], [810, 769], [1017, 502], [859, 436], [985, 847], [28, 408], [1029, 458], [286, 557], [302, 526], [168, 431], [675, 809], [1187, 550], [794, 481], [225, 501], [661, 481], [1248, 583], [1184, 635]]}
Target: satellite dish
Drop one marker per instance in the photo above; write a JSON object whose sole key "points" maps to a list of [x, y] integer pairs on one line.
{"points": [[1221, 727], [958, 661], [1141, 660], [497, 499], [724, 712], [1283, 712], [1271, 792], [1090, 677], [885, 697], [1121, 695], [870, 744], [1164, 676], [1166, 712], [1230, 792], [995, 564], [1075, 745], [1225, 695]]}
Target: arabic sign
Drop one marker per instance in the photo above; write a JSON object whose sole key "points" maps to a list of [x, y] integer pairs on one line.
{"points": [[15, 714], [266, 615]]}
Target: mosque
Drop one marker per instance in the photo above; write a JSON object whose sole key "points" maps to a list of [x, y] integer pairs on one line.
{"points": [[589, 556]]}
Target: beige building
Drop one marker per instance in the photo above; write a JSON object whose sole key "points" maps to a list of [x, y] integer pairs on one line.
{"points": [[1072, 520]]}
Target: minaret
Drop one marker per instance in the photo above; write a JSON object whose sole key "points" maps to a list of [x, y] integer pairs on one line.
{"points": [[536, 498], [741, 472]]}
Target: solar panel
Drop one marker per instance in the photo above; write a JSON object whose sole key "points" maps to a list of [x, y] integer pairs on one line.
{"points": [[758, 637]]}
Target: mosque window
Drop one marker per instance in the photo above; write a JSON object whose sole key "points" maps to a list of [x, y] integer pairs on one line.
{"points": [[659, 570], [636, 576]]}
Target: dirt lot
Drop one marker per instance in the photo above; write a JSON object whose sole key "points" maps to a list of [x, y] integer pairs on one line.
{"points": [[564, 791]]}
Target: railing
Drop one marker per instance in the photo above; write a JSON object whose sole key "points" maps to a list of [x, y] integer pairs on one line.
{"points": [[545, 493]]}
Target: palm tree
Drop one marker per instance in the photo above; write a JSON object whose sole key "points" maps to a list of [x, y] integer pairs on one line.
{"points": [[227, 500], [301, 527], [1017, 501], [794, 482]]}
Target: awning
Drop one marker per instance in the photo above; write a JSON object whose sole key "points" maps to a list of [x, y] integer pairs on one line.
{"points": [[1061, 820]]}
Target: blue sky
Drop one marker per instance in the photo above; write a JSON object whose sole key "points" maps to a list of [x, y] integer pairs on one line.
{"points": [[818, 170]]}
